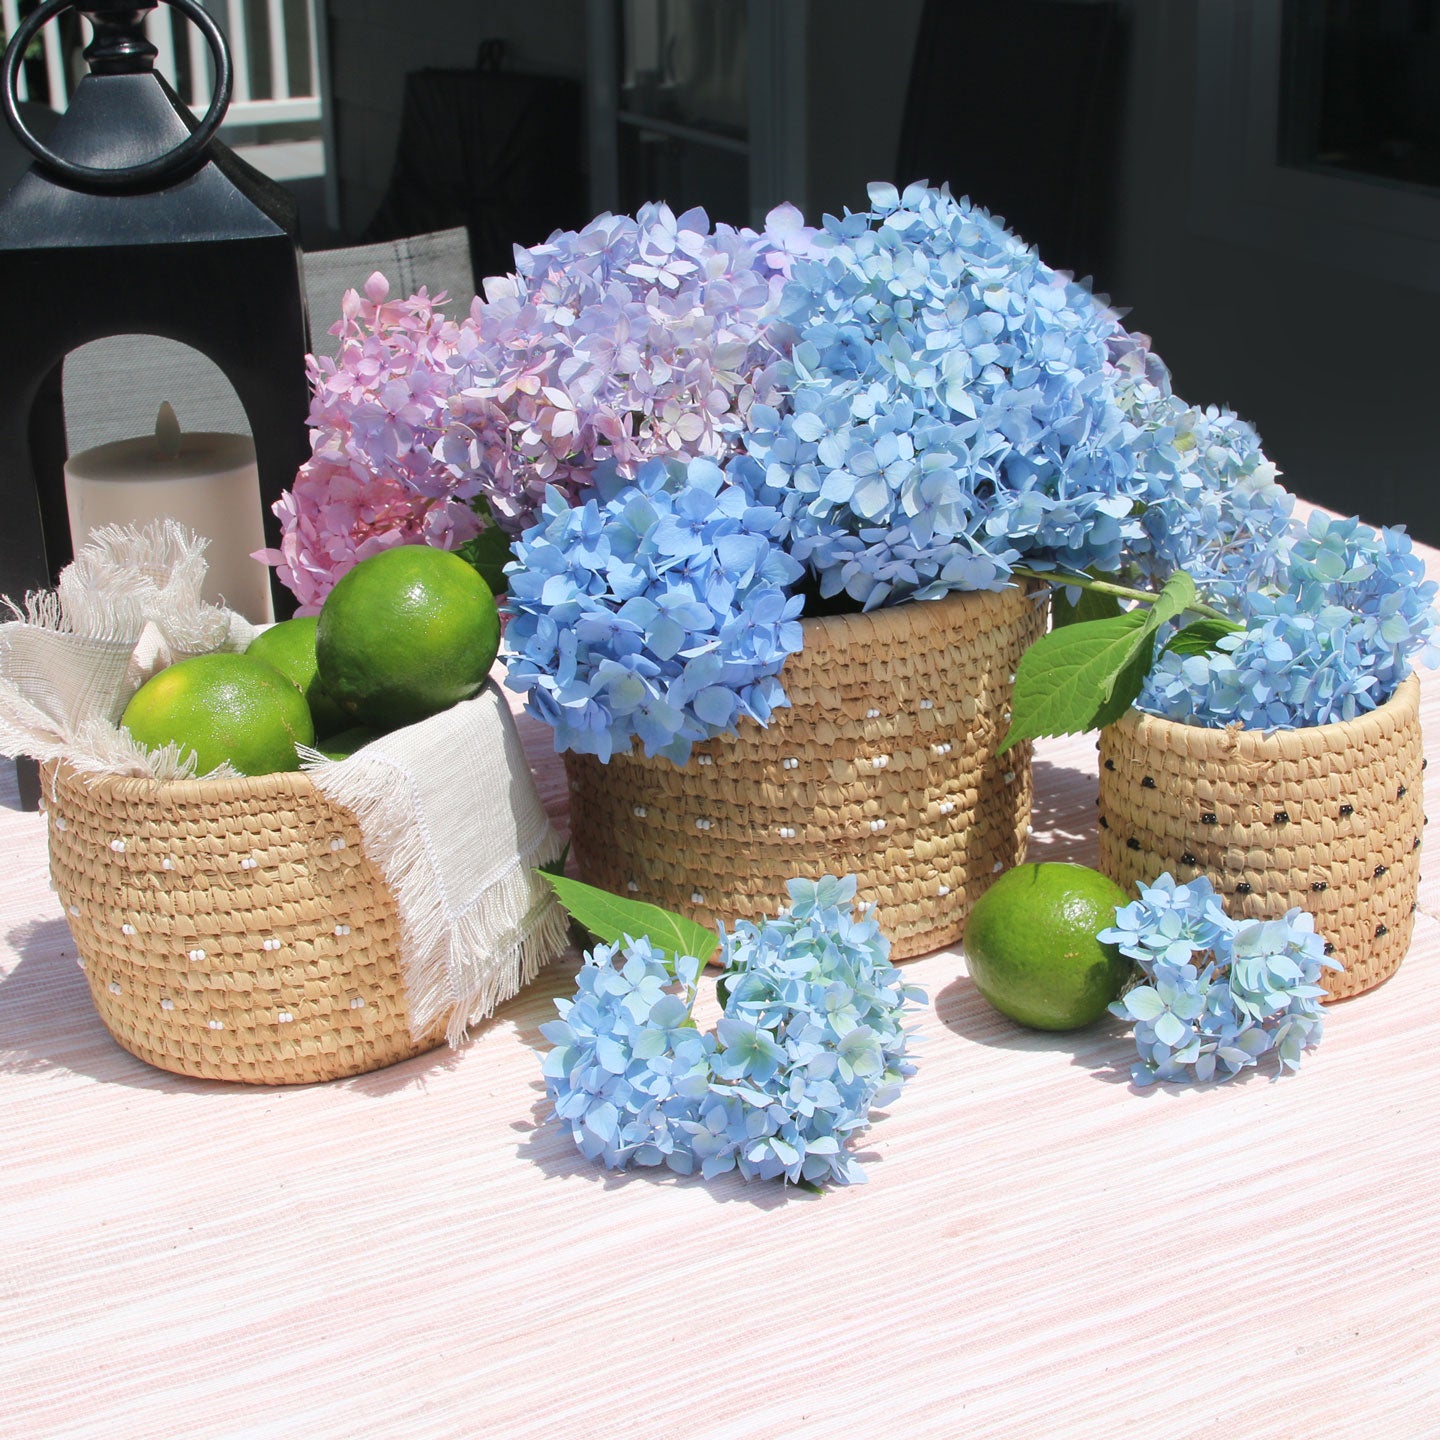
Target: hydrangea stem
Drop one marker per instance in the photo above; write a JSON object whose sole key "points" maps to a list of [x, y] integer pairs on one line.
{"points": [[1111, 587]]}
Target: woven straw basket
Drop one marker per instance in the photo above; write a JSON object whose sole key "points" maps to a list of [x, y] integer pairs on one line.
{"points": [[883, 766], [231, 929], [1327, 818]]}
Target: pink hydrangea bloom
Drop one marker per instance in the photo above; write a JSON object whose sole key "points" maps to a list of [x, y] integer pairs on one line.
{"points": [[376, 411]]}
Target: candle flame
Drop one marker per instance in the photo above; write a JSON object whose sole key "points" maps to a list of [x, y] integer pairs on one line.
{"points": [[167, 430]]}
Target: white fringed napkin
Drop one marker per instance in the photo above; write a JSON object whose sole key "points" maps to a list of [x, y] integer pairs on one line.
{"points": [[451, 818]]}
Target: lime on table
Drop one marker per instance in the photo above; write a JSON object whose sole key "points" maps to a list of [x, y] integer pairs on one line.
{"points": [[1031, 947], [405, 634], [290, 647], [223, 707]]}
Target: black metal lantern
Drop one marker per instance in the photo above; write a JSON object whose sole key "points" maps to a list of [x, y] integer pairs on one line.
{"points": [[134, 219]]}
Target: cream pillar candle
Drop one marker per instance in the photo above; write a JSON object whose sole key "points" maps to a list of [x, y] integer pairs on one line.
{"points": [[205, 480]]}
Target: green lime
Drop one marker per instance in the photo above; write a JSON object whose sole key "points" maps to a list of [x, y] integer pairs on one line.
{"points": [[405, 634], [346, 743], [1031, 947], [290, 647], [223, 707]]}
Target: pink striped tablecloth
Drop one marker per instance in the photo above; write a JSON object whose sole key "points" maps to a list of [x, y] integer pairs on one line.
{"points": [[1041, 1250]]}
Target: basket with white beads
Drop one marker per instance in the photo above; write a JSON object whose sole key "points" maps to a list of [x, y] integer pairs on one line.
{"points": [[231, 928], [883, 766]]}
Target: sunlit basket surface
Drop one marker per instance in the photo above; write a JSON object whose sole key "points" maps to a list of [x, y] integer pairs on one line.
{"points": [[883, 766], [231, 928], [1327, 818]]}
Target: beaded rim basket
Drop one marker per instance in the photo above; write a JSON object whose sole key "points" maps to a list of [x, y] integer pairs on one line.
{"points": [[231, 929], [883, 766], [1328, 818]]}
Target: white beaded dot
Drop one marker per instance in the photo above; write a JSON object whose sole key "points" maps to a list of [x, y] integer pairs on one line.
{"points": [[631, 886], [270, 943], [1012, 678], [942, 889], [947, 807], [787, 832], [789, 763], [872, 714], [705, 759], [114, 988], [1009, 777], [337, 842], [167, 863], [197, 954], [127, 928], [249, 863], [74, 909], [357, 1002], [879, 761], [876, 825], [997, 867], [702, 824], [640, 812], [58, 821], [117, 846], [216, 1024], [696, 898], [167, 1003], [284, 1018], [342, 929], [927, 704]]}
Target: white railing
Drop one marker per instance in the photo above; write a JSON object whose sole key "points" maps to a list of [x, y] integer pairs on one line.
{"points": [[277, 96]]}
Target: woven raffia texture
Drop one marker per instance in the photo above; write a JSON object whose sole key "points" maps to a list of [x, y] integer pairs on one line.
{"points": [[1327, 818], [231, 928], [883, 766]]}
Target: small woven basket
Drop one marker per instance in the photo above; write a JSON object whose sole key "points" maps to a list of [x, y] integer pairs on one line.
{"points": [[1327, 818], [883, 766], [231, 929]]}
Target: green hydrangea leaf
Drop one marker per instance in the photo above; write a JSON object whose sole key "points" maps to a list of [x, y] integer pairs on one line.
{"points": [[610, 918], [1200, 637], [1092, 605], [489, 552]]}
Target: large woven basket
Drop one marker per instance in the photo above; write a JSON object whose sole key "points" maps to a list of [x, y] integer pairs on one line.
{"points": [[1327, 818], [231, 928], [883, 766]]}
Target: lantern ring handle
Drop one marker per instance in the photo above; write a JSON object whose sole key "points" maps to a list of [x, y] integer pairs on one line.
{"points": [[97, 177]]}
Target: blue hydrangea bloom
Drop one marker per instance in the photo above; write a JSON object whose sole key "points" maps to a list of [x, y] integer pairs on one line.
{"points": [[1216, 993], [812, 1040], [627, 1067], [954, 408], [1332, 634], [660, 609]]}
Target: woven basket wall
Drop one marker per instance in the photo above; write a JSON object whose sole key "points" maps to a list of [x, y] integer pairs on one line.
{"points": [[883, 767], [1327, 818], [231, 929]]}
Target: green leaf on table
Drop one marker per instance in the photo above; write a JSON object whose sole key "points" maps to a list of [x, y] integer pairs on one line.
{"points": [[1200, 637], [1092, 605], [610, 918], [1069, 677]]}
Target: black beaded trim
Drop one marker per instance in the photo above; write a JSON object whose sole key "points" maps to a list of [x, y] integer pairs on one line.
{"points": [[1109, 764], [1381, 930], [1318, 885], [1188, 859], [1282, 817], [1347, 809], [1132, 843], [1329, 948], [1209, 818], [1104, 823], [1378, 871], [1401, 793], [1243, 888], [1148, 783]]}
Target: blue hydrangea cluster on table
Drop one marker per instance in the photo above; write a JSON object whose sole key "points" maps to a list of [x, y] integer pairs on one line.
{"points": [[1217, 993], [939, 408], [812, 1040]]}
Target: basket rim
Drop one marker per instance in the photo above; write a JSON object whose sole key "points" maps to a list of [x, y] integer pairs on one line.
{"points": [[1401, 708], [824, 632], [280, 784]]}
